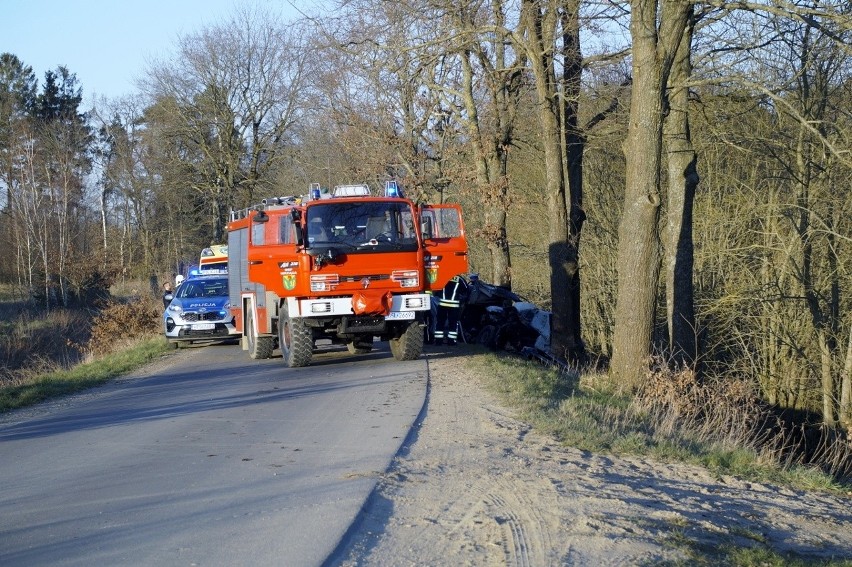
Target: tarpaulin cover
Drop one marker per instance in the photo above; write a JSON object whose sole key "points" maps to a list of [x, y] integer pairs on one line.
{"points": [[368, 302]]}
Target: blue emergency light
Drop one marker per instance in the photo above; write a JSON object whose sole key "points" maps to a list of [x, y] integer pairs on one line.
{"points": [[392, 189], [316, 192]]}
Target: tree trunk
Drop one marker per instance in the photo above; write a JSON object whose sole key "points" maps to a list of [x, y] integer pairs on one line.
{"points": [[498, 244], [845, 410], [638, 237], [541, 27], [826, 377], [682, 182], [572, 70], [492, 181]]}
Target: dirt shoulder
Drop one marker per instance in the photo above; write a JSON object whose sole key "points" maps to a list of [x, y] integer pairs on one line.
{"points": [[476, 486]]}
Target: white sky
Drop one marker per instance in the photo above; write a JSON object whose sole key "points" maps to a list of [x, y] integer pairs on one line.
{"points": [[107, 43]]}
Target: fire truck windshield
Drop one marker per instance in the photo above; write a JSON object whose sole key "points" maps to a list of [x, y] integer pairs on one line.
{"points": [[361, 227]]}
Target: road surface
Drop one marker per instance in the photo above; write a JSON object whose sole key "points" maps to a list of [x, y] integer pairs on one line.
{"points": [[209, 458]]}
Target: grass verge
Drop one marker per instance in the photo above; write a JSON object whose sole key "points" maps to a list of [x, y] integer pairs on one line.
{"points": [[39, 387], [736, 555]]}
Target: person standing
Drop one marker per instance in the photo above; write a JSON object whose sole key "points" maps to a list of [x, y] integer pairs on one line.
{"points": [[168, 294], [431, 318], [449, 307]]}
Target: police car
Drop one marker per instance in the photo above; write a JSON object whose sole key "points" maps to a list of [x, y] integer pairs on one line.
{"points": [[200, 310]]}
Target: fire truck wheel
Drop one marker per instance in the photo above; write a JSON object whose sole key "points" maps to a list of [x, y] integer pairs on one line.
{"points": [[258, 347], [409, 345], [295, 340], [360, 346]]}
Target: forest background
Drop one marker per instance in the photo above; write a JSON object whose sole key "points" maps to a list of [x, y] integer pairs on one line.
{"points": [[699, 152]]}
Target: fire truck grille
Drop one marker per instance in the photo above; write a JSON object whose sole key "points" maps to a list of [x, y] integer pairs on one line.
{"points": [[371, 277], [195, 317]]}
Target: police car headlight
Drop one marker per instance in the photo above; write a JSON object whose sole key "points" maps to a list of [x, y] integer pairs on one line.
{"points": [[175, 308]]}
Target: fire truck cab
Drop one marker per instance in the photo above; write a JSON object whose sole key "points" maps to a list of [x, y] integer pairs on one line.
{"points": [[342, 265]]}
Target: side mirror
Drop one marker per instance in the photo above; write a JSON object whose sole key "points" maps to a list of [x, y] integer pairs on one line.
{"points": [[426, 228], [296, 218]]}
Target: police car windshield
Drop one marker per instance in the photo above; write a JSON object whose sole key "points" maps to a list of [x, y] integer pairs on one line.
{"points": [[194, 289]]}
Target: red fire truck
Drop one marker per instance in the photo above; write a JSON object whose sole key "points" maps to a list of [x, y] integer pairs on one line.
{"points": [[342, 265]]}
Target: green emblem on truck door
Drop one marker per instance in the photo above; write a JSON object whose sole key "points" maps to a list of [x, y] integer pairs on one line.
{"points": [[289, 281]]}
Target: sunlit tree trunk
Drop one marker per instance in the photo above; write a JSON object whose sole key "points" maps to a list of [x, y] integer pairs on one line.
{"points": [[638, 237]]}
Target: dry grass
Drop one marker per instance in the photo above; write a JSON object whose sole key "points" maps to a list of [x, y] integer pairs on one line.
{"points": [[728, 413], [34, 342], [720, 423]]}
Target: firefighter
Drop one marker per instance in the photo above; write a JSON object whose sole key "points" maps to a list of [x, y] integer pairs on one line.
{"points": [[431, 317], [449, 306]]}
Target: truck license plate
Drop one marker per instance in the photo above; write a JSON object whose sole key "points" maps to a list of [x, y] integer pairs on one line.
{"points": [[203, 326], [400, 315]]}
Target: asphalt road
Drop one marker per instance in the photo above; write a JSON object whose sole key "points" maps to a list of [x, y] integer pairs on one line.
{"points": [[214, 459]]}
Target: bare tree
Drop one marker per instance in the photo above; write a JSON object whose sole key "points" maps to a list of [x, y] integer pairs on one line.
{"points": [[232, 96], [492, 84], [392, 90], [448, 77]]}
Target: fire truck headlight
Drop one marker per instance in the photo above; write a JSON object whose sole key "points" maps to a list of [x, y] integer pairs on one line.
{"points": [[406, 278], [414, 302], [324, 307]]}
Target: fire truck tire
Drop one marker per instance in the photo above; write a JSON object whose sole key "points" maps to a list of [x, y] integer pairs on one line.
{"points": [[360, 346], [295, 340], [409, 345], [258, 347]]}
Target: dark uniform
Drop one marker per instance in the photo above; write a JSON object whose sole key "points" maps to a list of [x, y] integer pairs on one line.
{"points": [[449, 306], [167, 290]]}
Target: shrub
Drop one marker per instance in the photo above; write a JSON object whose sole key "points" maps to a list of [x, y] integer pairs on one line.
{"points": [[121, 323]]}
